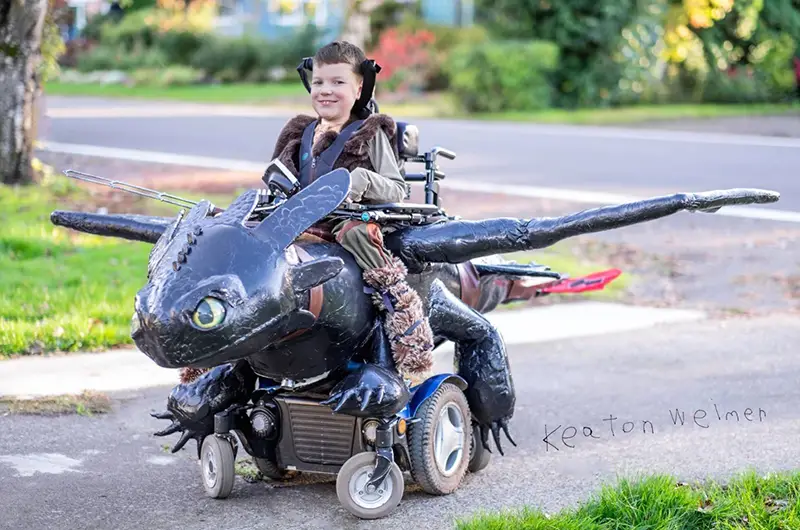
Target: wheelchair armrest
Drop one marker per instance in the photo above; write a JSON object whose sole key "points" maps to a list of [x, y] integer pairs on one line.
{"points": [[422, 177], [394, 207]]}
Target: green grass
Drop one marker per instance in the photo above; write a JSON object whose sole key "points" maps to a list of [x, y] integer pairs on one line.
{"points": [[641, 113], [240, 94], [84, 404], [62, 291], [431, 106], [659, 502]]}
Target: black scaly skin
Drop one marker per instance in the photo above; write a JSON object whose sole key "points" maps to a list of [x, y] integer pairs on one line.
{"points": [[480, 359], [255, 273]]}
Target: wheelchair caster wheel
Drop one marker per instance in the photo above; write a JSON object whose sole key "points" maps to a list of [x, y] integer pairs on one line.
{"points": [[217, 466], [479, 457], [351, 487], [439, 444]]}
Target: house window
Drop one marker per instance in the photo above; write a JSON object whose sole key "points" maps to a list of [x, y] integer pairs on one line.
{"points": [[298, 12]]}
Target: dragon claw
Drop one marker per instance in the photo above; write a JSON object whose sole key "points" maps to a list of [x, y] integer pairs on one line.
{"points": [[504, 426], [173, 428], [365, 396], [495, 428], [496, 436], [185, 437], [485, 438]]}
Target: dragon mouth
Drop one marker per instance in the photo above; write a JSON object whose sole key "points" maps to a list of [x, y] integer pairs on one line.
{"points": [[217, 356]]}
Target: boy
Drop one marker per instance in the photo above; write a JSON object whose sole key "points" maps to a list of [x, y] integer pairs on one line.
{"points": [[369, 152]]}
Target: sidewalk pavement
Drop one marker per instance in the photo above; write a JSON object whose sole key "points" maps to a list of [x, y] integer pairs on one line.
{"points": [[129, 369]]}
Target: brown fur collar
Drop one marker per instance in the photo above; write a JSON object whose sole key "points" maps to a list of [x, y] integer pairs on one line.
{"points": [[356, 149]]}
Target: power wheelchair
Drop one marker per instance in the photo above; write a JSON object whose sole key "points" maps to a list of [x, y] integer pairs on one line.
{"points": [[286, 429]]}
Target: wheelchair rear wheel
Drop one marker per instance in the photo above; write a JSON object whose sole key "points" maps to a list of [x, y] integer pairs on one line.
{"points": [[439, 444]]}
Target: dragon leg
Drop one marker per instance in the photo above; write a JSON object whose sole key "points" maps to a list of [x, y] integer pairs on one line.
{"points": [[191, 406], [374, 388], [480, 359]]}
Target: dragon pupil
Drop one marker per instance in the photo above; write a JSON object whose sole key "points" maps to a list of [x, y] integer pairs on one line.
{"points": [[205, 315]]}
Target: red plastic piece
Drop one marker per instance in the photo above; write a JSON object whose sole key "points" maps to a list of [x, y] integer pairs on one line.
{"points": [[592, 282]]}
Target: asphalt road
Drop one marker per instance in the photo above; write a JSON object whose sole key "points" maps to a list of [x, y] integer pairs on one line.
{"points": [[632, 161], [114, 474]]}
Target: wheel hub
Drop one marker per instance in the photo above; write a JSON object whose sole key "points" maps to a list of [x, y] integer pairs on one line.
{"points": [[210, 467], [369, 497], [449, 439]]}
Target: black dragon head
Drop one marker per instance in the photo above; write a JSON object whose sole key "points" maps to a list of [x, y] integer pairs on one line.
{"points": [[219, 290]]}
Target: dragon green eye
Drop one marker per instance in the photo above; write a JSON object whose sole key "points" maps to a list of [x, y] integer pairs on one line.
{"points": [[210, 313]]}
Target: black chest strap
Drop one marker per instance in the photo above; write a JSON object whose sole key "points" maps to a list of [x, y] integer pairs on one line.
{"points": [[310, 168]]}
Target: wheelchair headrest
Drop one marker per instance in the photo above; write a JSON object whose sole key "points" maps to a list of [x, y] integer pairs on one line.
{"points": [[407, 139]]}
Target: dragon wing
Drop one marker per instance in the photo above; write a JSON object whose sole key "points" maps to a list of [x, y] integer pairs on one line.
{"points": [[460, 241]]}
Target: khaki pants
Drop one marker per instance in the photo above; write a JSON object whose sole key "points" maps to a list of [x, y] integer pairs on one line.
{"points": [[364, 241], [405, 323]]}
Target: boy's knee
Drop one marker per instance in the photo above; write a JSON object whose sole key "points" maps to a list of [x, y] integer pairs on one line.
{"points": [[365, 242]]}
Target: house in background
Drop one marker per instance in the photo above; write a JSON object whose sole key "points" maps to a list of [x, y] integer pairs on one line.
{"points": [[279, 18], [75, 13]]}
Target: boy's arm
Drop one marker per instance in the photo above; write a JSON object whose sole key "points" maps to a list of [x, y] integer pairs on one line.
{"points": [[386, 183]]}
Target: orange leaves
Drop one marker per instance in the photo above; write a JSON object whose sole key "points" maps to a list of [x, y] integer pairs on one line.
{"points": [[406, 58]]}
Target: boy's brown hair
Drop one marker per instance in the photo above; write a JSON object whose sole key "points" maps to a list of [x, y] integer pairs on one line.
{"points": [[339, 52]]}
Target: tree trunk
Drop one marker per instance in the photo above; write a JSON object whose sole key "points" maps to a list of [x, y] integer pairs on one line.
{"points": [[356, 28], [21, 24]]}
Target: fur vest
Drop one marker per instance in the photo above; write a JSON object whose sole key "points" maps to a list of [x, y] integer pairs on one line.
{"points": [[356, 150]]}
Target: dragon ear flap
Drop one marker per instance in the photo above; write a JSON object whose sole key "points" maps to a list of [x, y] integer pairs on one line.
{"points": [[313, 273], [304, 209]]}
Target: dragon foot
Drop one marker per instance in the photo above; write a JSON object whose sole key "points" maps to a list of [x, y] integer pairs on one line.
{"points": [[369, 391], [187, 433], [191, 406]]}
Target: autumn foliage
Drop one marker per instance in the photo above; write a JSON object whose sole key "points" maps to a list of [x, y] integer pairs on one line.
{"points": [[407, 59]]}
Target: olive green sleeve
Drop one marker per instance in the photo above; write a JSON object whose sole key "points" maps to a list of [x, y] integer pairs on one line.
{"points": [[386, 183]]}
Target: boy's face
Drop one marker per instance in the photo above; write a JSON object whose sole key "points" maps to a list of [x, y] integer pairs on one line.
{"points": [[334, 90]]}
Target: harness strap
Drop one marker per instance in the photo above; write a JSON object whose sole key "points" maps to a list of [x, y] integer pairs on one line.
{"points": [[311, 168], [316, 295]]}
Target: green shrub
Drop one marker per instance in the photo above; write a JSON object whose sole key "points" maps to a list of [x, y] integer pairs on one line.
{"points": [[134, 29], [108, 58], [174, 75], [180, 45], [588, 34], [231, 59], [503, 75], [98, 58]]}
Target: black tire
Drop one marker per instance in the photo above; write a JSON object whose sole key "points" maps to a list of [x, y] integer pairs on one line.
{"points": [[217, 468], [354, 474], [271, 470], [447, 408], [479, 456]]}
